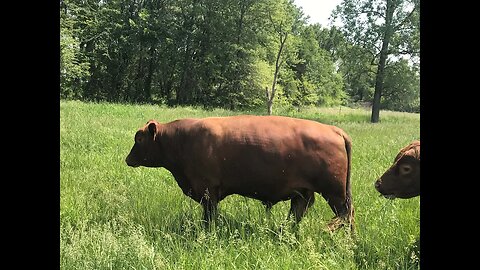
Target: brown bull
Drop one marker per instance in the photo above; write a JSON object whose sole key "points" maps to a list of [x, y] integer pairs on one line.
{"points": [[402, 179], [269, 158]]}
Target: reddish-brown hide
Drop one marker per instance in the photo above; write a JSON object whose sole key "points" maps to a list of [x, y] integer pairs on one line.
{"points": [[269, 158], [402, 179]]}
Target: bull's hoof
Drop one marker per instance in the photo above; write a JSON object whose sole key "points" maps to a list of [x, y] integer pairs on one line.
{"points": [[337, 223]]}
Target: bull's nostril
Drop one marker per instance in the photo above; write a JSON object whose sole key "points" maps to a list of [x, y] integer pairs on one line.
{"points": [[377, 184]]}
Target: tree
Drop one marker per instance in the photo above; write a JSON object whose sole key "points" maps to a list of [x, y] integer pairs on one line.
{"points": [[73, 65], [374, 25], [358, 73], [284, 19], [214, 53], [314, 68], [401, 88]]}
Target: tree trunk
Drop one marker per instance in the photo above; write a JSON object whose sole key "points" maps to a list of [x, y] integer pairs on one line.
{"points": [[243, 8], [278, 64], [381, 63], [270, 104], [269, 101], [138, 81], [184, 92], [151, 69]]}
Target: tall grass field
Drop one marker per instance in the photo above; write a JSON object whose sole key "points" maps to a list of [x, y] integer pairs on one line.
{"points": [[116, 217]]}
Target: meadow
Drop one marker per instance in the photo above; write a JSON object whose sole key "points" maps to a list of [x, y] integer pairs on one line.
{"points": [[116, 217]]}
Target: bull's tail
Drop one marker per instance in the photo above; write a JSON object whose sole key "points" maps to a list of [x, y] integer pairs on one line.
{"points": [[350, 216]]}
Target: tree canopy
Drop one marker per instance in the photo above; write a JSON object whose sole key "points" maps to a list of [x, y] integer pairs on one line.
{"points": [[384, 30], [234, 54]]}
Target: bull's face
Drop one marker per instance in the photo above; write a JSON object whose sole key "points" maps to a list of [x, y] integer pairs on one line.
{"points": [[401, 180], [145, 150]]}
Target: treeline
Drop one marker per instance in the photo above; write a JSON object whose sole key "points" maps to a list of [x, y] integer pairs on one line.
{"points": [[218, 53]]}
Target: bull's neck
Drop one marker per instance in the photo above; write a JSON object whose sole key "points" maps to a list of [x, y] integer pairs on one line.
{"points": [[170, 150]]}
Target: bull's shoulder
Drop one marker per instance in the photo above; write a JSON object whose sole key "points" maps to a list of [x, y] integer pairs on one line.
{"points": [[199, 127]]}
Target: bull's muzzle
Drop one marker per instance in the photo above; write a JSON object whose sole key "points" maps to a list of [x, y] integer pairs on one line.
{"points": [[130, 163], [378, 183]]}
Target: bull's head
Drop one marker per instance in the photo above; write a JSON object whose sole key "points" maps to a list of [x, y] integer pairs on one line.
{"points": [[145, 151], [402, 179]]}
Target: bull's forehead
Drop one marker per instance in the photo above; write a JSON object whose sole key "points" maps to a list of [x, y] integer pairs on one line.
{"points": [[138, 133], [414, 152], [413, 149], [145, 127], [151, 121], [141, 131], [405, 157]]}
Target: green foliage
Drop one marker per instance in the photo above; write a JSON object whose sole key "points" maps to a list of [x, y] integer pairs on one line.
{"points": [[313, 78], [220, 53], [73, 67], [372, 36], [187, 52], [358, 73], [401, 83], [116, 217]]}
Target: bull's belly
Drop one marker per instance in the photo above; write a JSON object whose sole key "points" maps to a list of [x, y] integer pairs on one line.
{"points": [[266, 189], [268, 176], [261, 194], [266, 198]]}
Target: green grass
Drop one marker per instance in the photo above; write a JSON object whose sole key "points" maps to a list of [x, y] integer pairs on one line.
{"points": [[116, 217]]}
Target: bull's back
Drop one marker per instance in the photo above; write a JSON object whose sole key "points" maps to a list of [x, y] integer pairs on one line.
{"points": [[271, 135]]}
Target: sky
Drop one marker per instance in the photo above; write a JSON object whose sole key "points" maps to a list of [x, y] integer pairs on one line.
{"points": [[318, 10]]}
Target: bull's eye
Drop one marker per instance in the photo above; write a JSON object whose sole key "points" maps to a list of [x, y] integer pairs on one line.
{"points": [[139, 139], [405, 169]]}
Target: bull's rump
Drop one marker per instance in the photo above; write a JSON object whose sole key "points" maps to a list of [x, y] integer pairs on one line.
{"points": [[265, 157]]}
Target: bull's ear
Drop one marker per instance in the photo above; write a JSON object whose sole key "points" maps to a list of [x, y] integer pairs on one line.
{"points": [[152, 129]]}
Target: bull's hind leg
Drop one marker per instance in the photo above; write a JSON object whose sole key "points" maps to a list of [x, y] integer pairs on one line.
{"points": [[343, 215], [209, 210], [268, 208], [209, 202], [300, 202]]}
